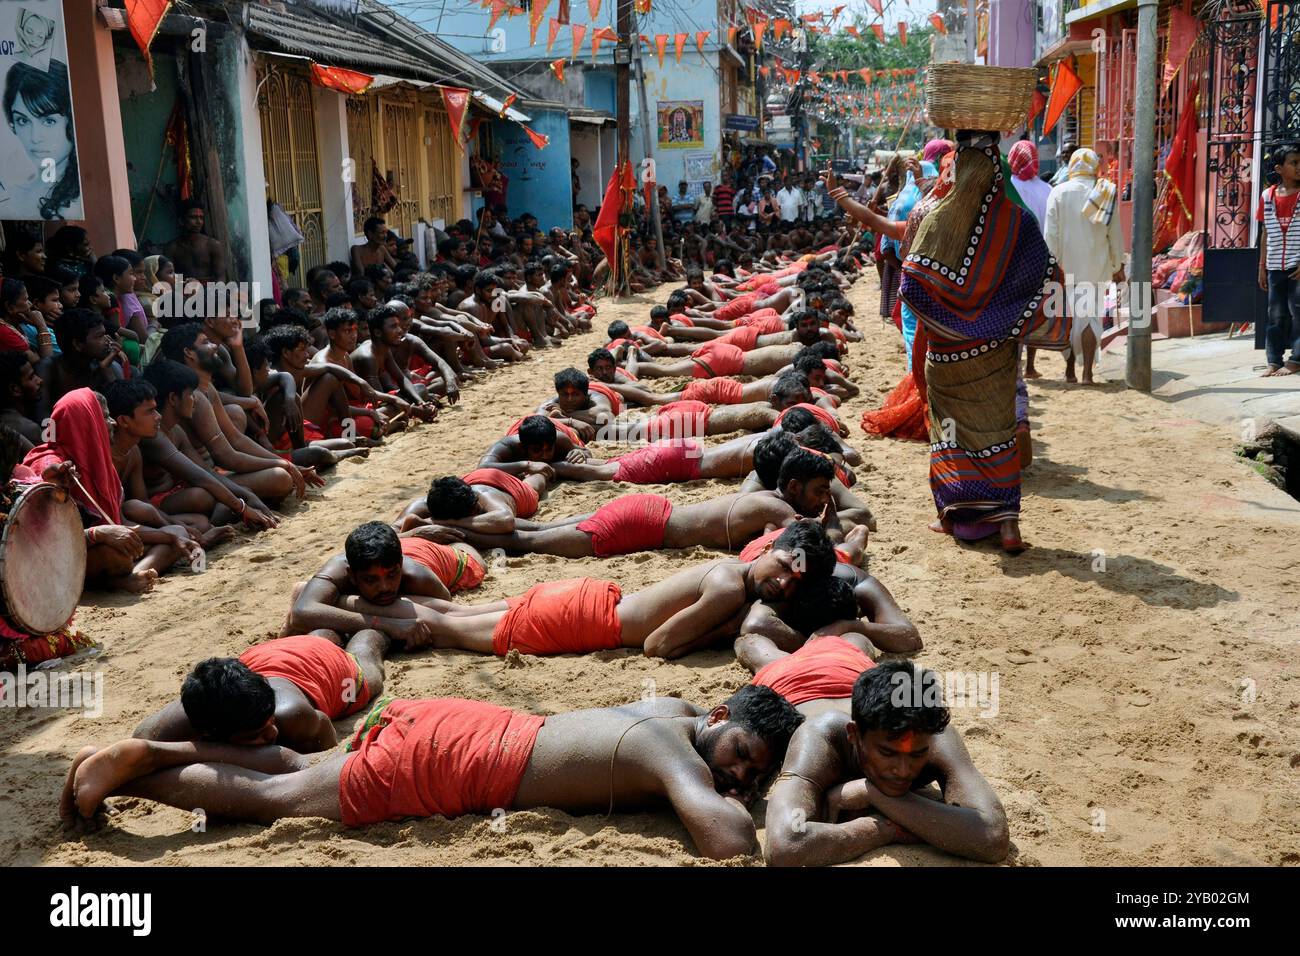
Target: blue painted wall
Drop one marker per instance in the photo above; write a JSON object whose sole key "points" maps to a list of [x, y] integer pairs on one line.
{"points": [[598, 91], [540, 180]]}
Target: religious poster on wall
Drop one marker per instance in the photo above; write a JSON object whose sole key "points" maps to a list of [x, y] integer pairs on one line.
{"points": [[681, 124], [39, 178]]}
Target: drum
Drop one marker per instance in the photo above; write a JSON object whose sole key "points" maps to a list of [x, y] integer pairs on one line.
{"points": [[42, 558]]}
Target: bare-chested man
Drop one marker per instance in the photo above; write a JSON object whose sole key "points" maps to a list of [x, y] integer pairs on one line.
{"points": [[374, 251], [287, 691], [703, 763], [20, 390], [195, 255], [375, 361], [849, 786], [537, 443], [256, 468], [643, 522], [335, 393], [386, 574], [177, 478], [486, 499]]}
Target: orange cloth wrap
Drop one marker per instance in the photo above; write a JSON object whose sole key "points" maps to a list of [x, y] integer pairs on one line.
{"points": [[745, 337], [525, 495], [443, 757], [822, 415], [684, 419], [714, 391], [561, 617], [628, 524], [327, 674], [455, 568], [665, 461], [741, 305], [718, 358], [827, 667], [559, 427], [763, 544]]}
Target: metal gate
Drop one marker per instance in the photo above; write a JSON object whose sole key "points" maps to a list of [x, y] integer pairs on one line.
{"points": [[290, 159], [400, 126], [1282, 74], [444, 161], [1231, 262]]}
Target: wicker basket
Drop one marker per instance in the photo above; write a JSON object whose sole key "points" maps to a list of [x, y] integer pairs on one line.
{"points": [[965, 96]]}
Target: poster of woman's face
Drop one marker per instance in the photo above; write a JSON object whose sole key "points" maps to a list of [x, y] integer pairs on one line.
{"points": [[39, 178]]}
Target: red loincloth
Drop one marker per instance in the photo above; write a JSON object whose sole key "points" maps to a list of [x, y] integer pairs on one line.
{"points": [[600, 388], [684, 419], [571, 616], [827, 667], [718, 358], [442, 757], [650, 331], [767, 321], [525, 496], [455, 568], [329, 676], [310, 433], [628, 524], [822, 393], [823, 416], [665, 461], [745, 337], [625, 374], [714, 391], [733, 310], [683, 321], [158, 499]]}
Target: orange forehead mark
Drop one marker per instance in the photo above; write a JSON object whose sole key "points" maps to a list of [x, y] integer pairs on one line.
{"points": [[905, 743]]}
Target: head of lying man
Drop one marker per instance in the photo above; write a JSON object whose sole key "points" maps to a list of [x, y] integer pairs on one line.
{"points": [[744, 737], [374, 555], [897, 709], [800, 556]]}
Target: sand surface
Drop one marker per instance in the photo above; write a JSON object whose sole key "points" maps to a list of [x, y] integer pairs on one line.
{"points": [[1148, 713]]}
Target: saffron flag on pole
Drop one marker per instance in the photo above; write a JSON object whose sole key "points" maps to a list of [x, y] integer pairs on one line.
{"points": [[1183, 28], [340, 80], [456, 100], [143, 17], [508, 103], [1064, 87], [499, 8], [939, 26], [603, 33], [540, 141], [605, 231], [535, 16], [558, 67]]}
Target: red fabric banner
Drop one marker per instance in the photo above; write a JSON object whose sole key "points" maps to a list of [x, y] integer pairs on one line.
{"points": [[340, 80], [1183, 28], [1064, 87], [540, 141], [552, 31], [661, 44], [456, 100], [143, 17], [700, 39], [579, 32], [679, 43]]}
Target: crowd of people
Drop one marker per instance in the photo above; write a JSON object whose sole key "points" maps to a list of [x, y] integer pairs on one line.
{"points": [[212, 428]]}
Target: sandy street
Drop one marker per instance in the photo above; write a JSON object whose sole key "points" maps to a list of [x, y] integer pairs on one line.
{"points": [[1145, 647]]}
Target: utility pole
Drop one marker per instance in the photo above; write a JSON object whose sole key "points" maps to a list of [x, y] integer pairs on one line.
{"points": [[653, 205], [623, 107], [972, 28], [1137, 371]]}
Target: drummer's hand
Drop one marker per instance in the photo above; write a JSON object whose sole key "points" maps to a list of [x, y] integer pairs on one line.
{"points": [[61, 474], [120, 538]]}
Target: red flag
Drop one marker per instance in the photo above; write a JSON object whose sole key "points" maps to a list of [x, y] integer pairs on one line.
{"points": [[340, 80], [1064, 86], [679, 42], [731, 35], [177, 136], [143, 17], [1039, 102], [879, 30], [843, 75], [552, 31], [602, 33], [852, 31], [642, 7], [811, 18], [499, 8], [866, 75], [558, 67], [1183, 28], [814, 76], [1178, 180], [540, 141], [940, 27], [593, 7], [779, 27], [700, 38], [877, 6], [579, 31], [605, 231], [457, 102], [763, 71], [902, 33], [535, 16], [760, 27], [510, 102], [661, 44]]}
